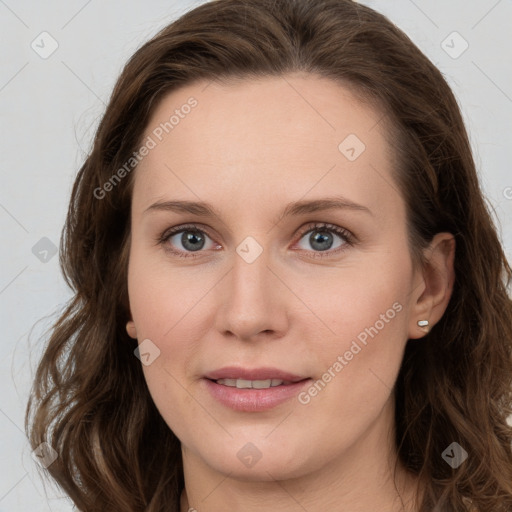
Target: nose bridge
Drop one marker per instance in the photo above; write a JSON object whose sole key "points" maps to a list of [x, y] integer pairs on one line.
{"points": [[252, 302], [250, 275]]}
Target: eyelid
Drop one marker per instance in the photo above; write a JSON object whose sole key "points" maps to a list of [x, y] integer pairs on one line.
{"points": [[183, 227]]}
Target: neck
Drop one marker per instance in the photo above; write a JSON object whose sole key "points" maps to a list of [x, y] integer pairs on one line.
{"points": [[284, 497]]}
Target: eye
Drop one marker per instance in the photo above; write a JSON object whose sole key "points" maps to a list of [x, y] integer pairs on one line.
{"points": [[322, 238], [190, 237]]}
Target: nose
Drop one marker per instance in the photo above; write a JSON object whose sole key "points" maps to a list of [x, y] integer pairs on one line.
{"points": [[253, 301]]}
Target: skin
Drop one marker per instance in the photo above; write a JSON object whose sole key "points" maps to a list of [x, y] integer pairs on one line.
{"points": [[249, 148]]}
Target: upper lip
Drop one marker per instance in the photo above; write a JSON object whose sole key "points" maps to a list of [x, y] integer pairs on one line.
{"points": [[235, 372]]}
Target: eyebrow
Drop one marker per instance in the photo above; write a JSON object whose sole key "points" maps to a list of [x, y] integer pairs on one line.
{"points": [[203, 209]]}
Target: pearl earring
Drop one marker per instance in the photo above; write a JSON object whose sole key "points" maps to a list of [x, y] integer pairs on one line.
{"points": [[423, 323]]}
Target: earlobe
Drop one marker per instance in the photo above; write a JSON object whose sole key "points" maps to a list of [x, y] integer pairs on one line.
{"points": [[438, 277], [131, 330]]}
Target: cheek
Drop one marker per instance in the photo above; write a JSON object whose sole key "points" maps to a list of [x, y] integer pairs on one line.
{"points": [[366, 311], [163, 299], [364, 300], [167, 306]]}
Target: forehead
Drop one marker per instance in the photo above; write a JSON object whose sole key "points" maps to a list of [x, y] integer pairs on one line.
{"points": [[260, 138]]}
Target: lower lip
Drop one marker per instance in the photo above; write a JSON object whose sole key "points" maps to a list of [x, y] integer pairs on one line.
{"points": [[254, 400]]}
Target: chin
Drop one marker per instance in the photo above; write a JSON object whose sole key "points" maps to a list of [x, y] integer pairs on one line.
{"points": [[258, 460]]}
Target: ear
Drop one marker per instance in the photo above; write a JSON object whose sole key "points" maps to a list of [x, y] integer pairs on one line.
{"points": [[131, 330], [434, 284]]}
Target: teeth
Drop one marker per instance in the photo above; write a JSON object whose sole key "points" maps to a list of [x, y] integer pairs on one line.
{"points": [[228, 382], [251, 384], [263, 384], [242, 384]]}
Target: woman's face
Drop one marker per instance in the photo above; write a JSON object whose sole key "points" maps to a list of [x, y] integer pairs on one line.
{"points": [[302, 275]]}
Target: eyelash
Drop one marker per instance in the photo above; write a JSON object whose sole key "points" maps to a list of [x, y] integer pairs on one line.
{"points": [[348, 238]]}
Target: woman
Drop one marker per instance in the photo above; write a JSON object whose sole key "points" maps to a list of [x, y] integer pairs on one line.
{"points": [[289, 292]]}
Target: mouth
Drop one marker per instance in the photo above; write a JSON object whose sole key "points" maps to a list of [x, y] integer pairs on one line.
{"points": [[253, 390]]}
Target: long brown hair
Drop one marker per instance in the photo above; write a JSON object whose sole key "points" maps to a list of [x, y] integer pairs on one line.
{"points": [[90, 401]]}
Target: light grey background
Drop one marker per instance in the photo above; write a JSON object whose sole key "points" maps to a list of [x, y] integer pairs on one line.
{"points": [[50, 108]]}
